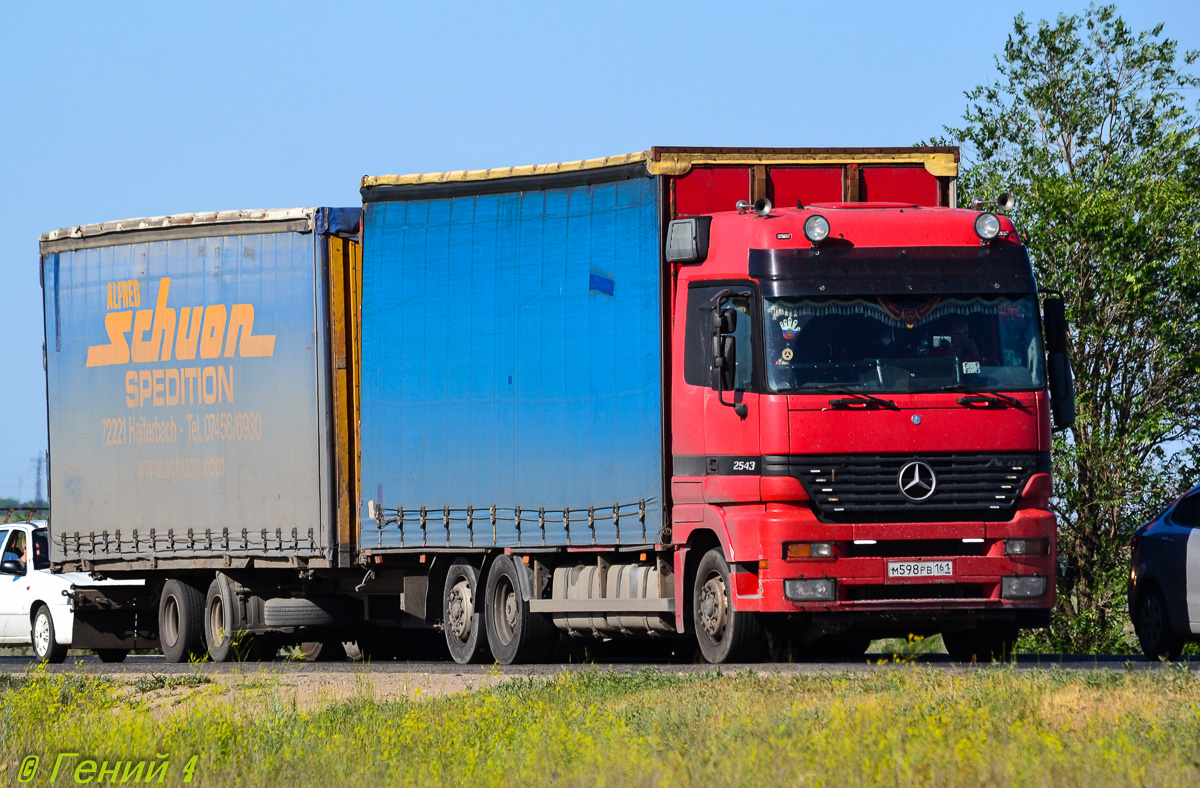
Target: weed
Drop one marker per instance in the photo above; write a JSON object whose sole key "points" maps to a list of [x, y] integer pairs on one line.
{"points": [[154, 681]]}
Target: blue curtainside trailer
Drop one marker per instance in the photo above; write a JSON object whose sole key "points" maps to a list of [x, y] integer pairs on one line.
{"points": [[511, 367]]}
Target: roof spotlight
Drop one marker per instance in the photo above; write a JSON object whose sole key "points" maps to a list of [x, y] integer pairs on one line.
{"points": [[816, 228], [987, 226]]}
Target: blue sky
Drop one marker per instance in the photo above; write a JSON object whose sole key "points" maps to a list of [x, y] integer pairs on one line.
{"points": [[121, 110]]}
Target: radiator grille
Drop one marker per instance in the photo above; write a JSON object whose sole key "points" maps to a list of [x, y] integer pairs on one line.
{"points": [[867, 487]]}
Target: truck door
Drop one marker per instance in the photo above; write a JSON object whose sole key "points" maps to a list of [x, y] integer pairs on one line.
{"points": [[731, 444]]}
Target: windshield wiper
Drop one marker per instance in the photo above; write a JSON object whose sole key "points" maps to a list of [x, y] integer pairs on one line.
{"points": [[975, 396], [867, 400]]}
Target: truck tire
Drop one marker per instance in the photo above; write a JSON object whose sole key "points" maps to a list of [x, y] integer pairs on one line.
{"points": [[980, 644], [181, 621], [514, 634], [1152, 623], [45, 644], [723, 633], [284, 612], [463, 610], [223, 625]]}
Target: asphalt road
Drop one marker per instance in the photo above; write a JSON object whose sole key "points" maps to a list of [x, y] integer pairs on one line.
{"points": [[135, 665]]}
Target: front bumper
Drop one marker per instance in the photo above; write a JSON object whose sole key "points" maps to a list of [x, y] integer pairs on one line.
{"points": [[974, 551]]}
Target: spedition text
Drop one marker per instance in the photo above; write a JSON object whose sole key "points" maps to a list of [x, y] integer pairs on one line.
{"points": [[186, 386]]}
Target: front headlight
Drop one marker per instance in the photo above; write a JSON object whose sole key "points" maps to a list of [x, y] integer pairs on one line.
{"points": [[987, 226], [820, 589], [797, 550], [816, 228], [1023, 587], [1026, 546]]}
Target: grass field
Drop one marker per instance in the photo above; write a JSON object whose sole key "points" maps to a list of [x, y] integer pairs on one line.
{"points": [[900, 725]]}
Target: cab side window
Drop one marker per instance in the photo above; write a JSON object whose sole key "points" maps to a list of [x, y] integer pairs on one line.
{"points": [[697, 356], [1187, 512]]}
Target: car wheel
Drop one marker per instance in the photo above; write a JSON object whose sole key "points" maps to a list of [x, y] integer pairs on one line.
{"points": [[1158, 638], [723, 633], [181, 621], [45, 645]]}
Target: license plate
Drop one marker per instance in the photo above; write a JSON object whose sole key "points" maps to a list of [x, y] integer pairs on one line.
{"points": [[920, 568]]}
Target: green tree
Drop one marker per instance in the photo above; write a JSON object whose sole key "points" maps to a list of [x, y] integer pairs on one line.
{"points": [[1089, 124]]}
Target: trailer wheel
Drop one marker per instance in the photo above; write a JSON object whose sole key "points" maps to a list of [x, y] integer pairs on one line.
{"points": [[181, 621], [45, 645], [514, 633], [220, 624], [723, 633], [463, 611]]}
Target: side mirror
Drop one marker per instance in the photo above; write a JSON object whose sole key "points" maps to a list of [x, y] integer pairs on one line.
{"points": [[724, 323], [11, 568], [1058, 365]]}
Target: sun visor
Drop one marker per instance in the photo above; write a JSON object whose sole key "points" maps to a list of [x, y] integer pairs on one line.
{"points": [[842, 271]]}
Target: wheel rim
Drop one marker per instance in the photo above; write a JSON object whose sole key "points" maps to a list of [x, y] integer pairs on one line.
{"points": [[216, 621], [170, 623], [504, 611], [460, 610], [41, 634], [714, 607]]}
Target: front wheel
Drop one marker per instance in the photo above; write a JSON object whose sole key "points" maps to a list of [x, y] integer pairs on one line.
{"points": [[723, 633], [1152, 623], [514, 634], [45, 645]]}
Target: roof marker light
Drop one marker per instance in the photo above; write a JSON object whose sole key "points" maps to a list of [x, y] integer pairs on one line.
{"points": [[987, 226], [816, 228]]}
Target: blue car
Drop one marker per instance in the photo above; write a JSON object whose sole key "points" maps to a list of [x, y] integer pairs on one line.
{"points": [[1164, 579]]}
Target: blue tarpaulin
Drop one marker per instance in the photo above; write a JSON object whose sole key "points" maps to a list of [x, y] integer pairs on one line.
{"points": [[501, 370]]}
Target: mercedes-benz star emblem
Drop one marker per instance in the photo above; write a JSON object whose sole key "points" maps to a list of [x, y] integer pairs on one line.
{"points": [[917, 481]]}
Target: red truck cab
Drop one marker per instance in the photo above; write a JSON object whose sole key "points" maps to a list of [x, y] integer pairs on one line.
{"points": [[860, 420]]}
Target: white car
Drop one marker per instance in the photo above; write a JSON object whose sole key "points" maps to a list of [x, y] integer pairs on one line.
{"points": [[35, 604]]}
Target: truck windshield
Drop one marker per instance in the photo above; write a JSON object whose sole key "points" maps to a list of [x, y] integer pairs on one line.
{"points": [[903, 344]]}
